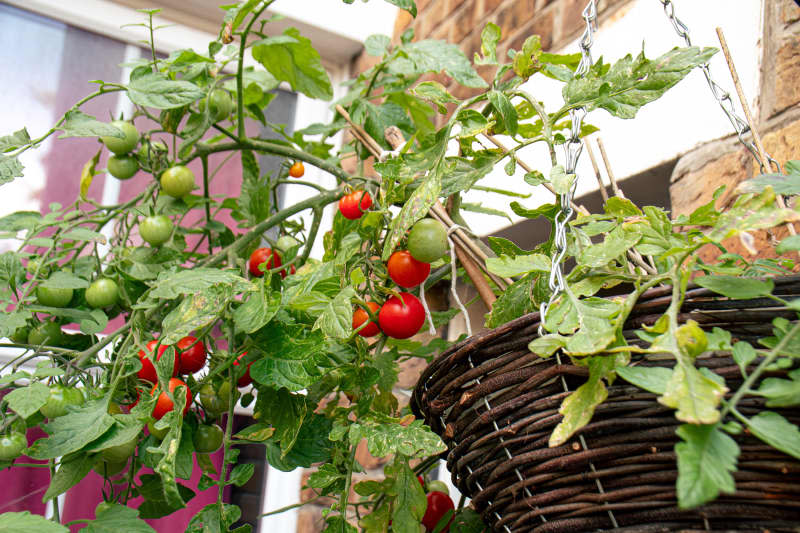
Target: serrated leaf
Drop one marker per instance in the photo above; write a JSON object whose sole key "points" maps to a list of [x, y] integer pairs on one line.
{"points": [[16, 140], [336, 318], [650, 378], [706, 460], [195, 312], [170, 285], [292, 58], [158, 91], [25, 401], [116, 518], [521, 264], [436, 93], [438, 56], [694, 395], [737, 287], [70, 472], [325, 476], [776, 431], [376, 45], [79, 124], [578, 408], [410, 503], [73, 431], [25, 522], [781, 392], [257, 310], [10, 168], [414, 440]]}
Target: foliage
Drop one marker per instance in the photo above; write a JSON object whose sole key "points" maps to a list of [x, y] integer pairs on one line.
{"points": [[320, 389]]}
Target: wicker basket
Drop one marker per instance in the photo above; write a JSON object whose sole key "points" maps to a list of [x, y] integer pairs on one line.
{"points": [[495, 405]]}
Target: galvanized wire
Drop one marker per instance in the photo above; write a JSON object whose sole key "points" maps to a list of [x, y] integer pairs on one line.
{"points": [[722, 96]]}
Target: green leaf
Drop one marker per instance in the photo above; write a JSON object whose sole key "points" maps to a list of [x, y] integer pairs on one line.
{"points": [[694, 395], [490, 36], [241, 473], [158, 91], [195, 312], [285, 412], [311, 446], [254, 201], [414, 440], [16, 140], [438, 56], [125, 429], [631, 83], [706, 460], [578, 408], [514, 266], [435, 92], [737, 287], [547, 345], [472, 122], [526, 61], [622, 207], [505, 111], [616, 243], [776, 431], [116, 518], [467, 520], [376, 45], [650, 378], [257, 310], [64, 280], [325, 476], [10, 168], [408, 5], [73, 431], [561, 181], [744, 354], [789, 244], [784, 185], [20, 220], [256, 433], [414, 209], [409, 503], [480, 208], [292, 59], [336, 319], [27, 400], [79, 124], [71, 471], [25, 522], [155, 503], [781, 392], [170, 285]]}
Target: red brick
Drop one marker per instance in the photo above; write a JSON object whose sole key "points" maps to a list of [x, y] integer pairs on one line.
{"points": [[541, 25], [309, 519], [402, 22], [572, 23], [787, 70]]}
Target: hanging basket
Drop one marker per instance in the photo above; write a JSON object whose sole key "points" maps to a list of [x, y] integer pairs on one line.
{"points": [[495, 404]]}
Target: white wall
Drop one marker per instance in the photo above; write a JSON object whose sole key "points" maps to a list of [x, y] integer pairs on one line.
{"points": [[685, 117]]}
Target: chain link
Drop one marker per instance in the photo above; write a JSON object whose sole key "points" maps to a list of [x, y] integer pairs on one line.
{"points": [[573, 148], [722, 96]]}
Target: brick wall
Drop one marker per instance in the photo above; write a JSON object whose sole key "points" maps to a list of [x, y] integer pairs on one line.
{"points": [[725, 162]]}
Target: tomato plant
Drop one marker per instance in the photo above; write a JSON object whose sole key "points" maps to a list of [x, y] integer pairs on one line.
{"points": [[164, 403], [122, 167], [124, 144], [148, 371], [191, 354], [266, 257], [177, 181], [360, 316], [207, 438], [119, 453], [427, 240], [220, 105], [407, 271], [156, 230], [12, 445], [103, 292], [53, 297], [215, 400], [59, 398], [297, 169], [401, 319], [47, 333], [353, 205]]}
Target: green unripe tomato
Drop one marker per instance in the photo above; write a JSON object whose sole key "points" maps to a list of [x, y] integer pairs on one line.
{"points": [[157, 433], [427, 240], [53, 297], [60, 397], [45, 334], [220, 105], [207, 438], [124, 144], [177, 181], [156, 230], [103, 292], [437, 485], [20, 335], [11, 446], [122, 167], [120, 453], [107, 469], [215, 402], [691, 338]]}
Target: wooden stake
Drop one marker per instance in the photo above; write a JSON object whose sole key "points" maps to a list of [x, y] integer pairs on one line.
{"points": [[597, 175], [611, 177]]}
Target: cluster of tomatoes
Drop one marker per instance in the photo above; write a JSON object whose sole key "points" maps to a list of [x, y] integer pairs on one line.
{"points": [[402, 315]]}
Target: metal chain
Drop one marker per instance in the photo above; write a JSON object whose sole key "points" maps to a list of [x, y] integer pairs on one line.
{"points": [[722, 96], [573, 148]]}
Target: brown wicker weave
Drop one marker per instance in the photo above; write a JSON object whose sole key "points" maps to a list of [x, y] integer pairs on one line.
{"points": [[495, 405]]}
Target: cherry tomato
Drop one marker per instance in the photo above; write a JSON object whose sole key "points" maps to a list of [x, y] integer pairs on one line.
{"points": [[53, 297], [220, 104], [119, 453], [164, 404], [157, 433], [122, 167], [439, 504], [215, 402], [360, 316], [192, 355], [351, 208], [156, 230], [20, 335], [59, 399], [177, 181], [264, 255], [245, 380], [122, 145], [148, 371], [47, 334], [103, 292], [407, 271], [401, 319], [207, 438], [427, 240], [297, 169], [107, 469], [11, 446]]}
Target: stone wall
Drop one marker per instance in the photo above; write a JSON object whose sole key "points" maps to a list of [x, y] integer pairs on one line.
{"points": [[725, 161]]}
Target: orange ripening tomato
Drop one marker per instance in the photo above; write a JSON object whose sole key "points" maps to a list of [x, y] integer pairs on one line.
{"points": [[360, 316]]}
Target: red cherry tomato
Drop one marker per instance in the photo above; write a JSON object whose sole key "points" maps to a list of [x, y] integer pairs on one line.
{"points": [[264, 255], [401, 319], [360, 316], [164, 404], [407, 271], [297, 170], [351, 208], [439, 504], [245, 380], [148, 371], [192, 358]]}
